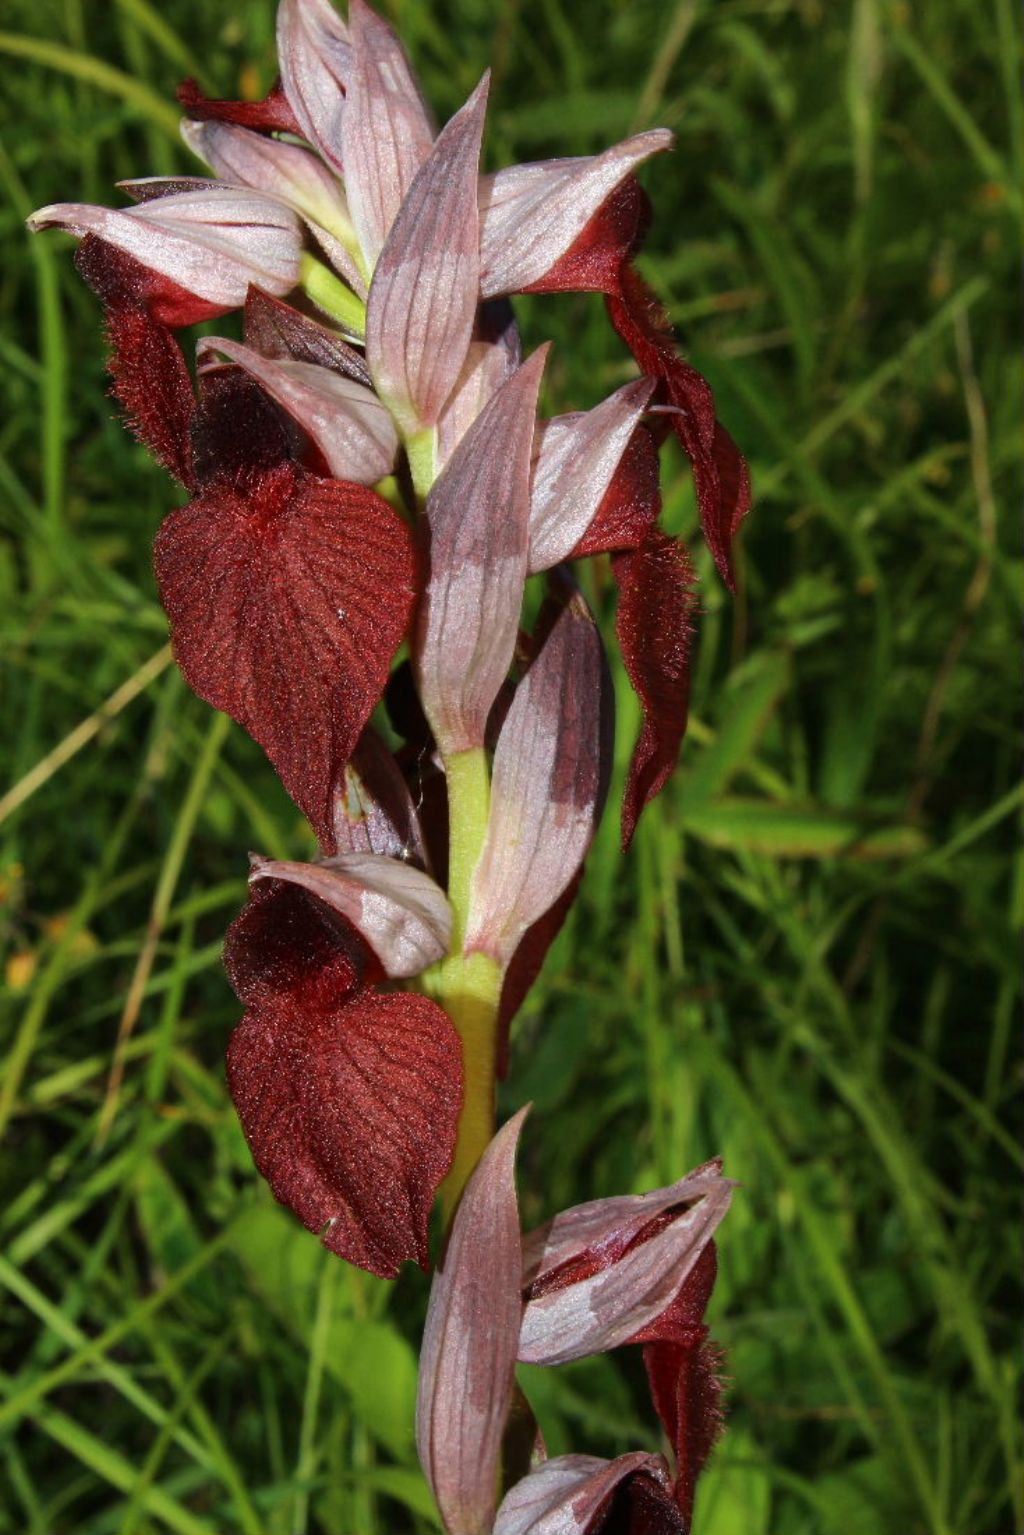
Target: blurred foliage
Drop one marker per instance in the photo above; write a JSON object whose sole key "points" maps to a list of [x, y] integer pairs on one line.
{"points": [[806, 963]]}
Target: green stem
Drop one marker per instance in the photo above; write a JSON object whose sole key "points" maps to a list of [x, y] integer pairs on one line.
{"points": [[470, 985], [421, 448], [330, 294]]}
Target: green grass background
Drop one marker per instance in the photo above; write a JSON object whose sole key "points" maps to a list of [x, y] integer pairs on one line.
{"points": [[807, 961]]}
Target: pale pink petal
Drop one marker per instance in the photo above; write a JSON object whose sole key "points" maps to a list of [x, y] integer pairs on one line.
{"points": [[269, 165], [550, 775], [423, 298], [213, 242], [478, 518], [603, 1223], [287, 171], [531, 214], [315, 58], [562, 1496], [397, 909], [373, 809], [494, 355], [387, 132], [577, 459], [605, 1310], [467, 1359], [347, 422]]}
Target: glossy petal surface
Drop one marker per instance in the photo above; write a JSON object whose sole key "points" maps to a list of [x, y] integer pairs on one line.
{"points": [[608, 1306], [270, 165], [373, 810], [275, 329], [532, 214], [213, 242]]}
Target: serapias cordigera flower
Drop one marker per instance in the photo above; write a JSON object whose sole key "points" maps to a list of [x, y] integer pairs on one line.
{"points": [[366, 470]]}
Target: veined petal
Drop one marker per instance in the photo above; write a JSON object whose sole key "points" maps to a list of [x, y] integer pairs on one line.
{"points": [[396, 909], [373, 808], [213, 243], [275, 329], [565, 1495], [578, 457], [608, 1307], [349, 1098], [315, 58], [269, 165], [143, 189], [531, 214], [467, 1359], [387, 131], [423, 298], [494, 355], [598, 1232], [550, 775], [478, 519], [288, 596], [345, 419]]}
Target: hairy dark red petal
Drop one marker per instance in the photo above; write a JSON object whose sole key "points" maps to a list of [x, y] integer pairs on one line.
{"points": [[288, 596], [151, 380], [526, 963], [655, 626], [152, 384], [286, 943], [684, 1372], [632, 503], [277, 329], [351, 1114], [593, 263], [642, 323], [118, 279], [271, 115], [239, 432], [640, 1506]]}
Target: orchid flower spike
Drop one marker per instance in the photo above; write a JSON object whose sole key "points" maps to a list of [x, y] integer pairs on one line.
{"points": [[367, 474]]}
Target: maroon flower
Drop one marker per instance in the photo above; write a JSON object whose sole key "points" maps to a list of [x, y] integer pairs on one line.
{"points": [[366, 470]]}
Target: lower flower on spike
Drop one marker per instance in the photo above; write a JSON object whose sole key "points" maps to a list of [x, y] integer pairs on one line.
{"points": [[349, 1096]]}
